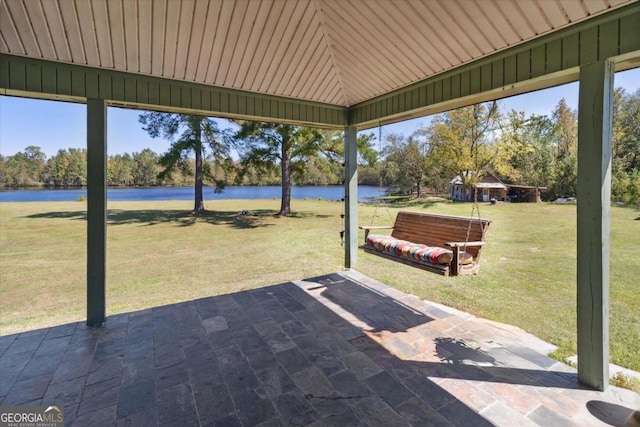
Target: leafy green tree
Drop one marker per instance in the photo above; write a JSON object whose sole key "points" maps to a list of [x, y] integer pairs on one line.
{"points": [[198, 135], [369, 175], [625, 183], [120, 170], [566, 129], [327, 165], [404, 163], [459, 142], [36, 163], [145, 170], [625, 187], [334, 147], [3, 171], [24, 169], [565, 181], [318, 170], [266, 144], [251, 174], [68, 168], [305, 155], [526, 150], [17, 171], [626, 131], [58, 166], [77, 168]]}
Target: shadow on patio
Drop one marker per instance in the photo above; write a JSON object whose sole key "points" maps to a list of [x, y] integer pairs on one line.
{"points": [[336, 350]]}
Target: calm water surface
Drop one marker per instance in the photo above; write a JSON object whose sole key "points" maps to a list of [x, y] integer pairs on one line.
{"points": [[336, 192]]}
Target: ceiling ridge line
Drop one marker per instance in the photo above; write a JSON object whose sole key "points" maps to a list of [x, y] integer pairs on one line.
{"points": [[338, 71]]}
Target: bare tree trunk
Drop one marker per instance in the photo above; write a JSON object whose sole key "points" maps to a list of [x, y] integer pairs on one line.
{"points": [[199, 202], [285, 200]]}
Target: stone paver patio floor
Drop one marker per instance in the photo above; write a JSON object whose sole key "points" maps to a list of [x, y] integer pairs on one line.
{"points": [[337, 350]]}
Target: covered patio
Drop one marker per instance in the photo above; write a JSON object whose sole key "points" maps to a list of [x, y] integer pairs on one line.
{"points": [[337, 65], [336, 350]]}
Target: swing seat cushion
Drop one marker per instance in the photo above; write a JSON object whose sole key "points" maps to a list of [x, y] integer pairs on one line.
{"points": [[406, 249], [443, 244]]}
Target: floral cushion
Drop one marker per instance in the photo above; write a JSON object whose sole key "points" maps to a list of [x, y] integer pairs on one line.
{"points": [[420, 252]]}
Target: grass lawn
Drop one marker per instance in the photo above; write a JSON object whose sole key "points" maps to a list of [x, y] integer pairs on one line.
{"points": [[159, 254]]}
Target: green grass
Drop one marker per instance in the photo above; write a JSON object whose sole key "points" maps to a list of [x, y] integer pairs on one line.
{"points": [[159, 254]]}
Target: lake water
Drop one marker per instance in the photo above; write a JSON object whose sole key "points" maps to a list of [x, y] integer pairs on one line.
{"points": [[365, 193]]}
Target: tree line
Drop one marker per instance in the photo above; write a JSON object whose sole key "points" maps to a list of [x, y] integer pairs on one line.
{"points": [[535, 150], [31, 168]]}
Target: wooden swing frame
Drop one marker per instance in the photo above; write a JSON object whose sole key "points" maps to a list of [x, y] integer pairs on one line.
{"points": [[458, 234]]}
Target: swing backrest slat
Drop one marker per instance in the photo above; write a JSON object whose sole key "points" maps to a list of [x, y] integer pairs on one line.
{"points": [[436, 230]]}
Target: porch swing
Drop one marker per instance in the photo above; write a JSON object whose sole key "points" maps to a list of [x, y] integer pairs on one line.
{"points": [[443, 244]]}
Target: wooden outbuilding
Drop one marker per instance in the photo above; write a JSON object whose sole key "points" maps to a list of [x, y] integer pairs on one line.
{"points": [[489, 187]]}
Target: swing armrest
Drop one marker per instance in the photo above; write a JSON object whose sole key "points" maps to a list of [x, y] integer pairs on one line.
{"points": [[368, 228], [462, 244]]}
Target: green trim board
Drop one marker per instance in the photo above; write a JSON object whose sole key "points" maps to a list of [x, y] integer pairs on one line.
{"points": [[29, 77], [96, 211], [547, 61], [595, 113]]}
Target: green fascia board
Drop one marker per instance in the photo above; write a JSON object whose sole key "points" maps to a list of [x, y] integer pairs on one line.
{"points": [[38, 78], [547, 61]]}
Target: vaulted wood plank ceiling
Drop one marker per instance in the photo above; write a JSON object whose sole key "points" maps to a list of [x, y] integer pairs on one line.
{"points": [[339, 52]]}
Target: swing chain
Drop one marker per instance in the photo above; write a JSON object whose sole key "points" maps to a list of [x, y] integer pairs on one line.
{"points": [[474, 208], [380, 196]]}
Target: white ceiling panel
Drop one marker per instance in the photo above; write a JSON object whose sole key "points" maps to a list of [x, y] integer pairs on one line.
{"points": [[333, 51]]}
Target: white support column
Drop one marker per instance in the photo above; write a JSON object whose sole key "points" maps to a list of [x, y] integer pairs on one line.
{"points": [[351, 196], [595, 111], [96, 210]]}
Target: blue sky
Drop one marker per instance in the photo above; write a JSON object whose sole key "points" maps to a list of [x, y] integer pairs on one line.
{"points": [[55, 125]]}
